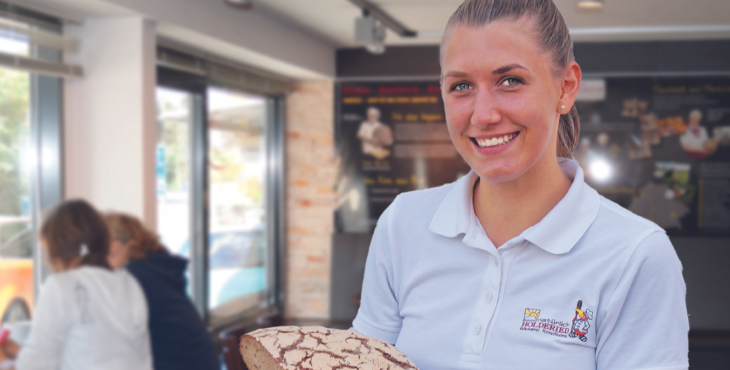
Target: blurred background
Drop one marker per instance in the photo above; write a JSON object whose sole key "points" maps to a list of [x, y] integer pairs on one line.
{"points": [[262, 139]]}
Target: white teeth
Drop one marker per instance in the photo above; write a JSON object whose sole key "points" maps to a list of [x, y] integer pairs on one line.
{"points": [[483, 143]]}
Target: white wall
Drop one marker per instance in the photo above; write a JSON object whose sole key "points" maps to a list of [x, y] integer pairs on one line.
{"points": [[256, 37], [263, 41], [109, 127]]}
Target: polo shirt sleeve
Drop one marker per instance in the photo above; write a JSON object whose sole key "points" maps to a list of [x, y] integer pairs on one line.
{"points": [[379, 315], [646, 324]]}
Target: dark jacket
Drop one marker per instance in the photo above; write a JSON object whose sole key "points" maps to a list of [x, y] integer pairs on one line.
{"points": [[179, 337]]}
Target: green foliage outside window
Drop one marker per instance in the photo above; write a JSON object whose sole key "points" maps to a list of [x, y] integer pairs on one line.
{"points": [[14, 129]]}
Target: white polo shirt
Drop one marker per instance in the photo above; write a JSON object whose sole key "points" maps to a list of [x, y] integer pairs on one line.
{"points": [[437, 288]]}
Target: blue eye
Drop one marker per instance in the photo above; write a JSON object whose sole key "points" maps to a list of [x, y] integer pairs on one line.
{"points": [[510, 82], [461, 86]]}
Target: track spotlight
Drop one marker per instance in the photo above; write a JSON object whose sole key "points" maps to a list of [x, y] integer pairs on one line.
{"points": [[370, 32]]}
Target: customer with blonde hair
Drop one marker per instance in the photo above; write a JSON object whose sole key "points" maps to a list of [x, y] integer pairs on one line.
{"points": [[520, 264], [180, 339]]}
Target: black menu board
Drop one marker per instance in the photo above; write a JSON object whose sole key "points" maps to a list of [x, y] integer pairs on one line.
{"points": [[391, 138], [661, 148]]}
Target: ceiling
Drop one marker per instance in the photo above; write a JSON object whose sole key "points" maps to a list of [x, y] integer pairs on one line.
{"points": [[298, 38], [333, 20]]}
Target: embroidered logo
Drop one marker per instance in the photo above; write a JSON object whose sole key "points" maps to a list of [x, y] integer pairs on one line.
{"points": [[531, 321], [580, 325], [531, 314]]}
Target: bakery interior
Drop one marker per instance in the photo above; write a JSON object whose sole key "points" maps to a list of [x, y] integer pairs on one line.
{"points": [[237, 130]]}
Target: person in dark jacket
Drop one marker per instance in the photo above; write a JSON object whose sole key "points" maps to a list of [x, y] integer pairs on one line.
{"points": [[180, 340]]}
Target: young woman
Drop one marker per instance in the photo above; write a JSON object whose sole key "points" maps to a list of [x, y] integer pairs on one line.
{"points": [[520, 264], [180, 339], [87, 316]]}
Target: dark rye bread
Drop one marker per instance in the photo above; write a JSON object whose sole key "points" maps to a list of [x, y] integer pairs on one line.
{"points": [[317, 348]]}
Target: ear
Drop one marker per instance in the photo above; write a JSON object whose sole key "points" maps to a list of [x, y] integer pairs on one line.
{"points": [[569, 87]]}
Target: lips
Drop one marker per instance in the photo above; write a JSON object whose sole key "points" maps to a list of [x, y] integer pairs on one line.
{"points": [[485, 142]]}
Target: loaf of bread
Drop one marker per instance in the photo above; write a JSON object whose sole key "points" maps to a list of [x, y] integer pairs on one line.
{"points": [[317, 348]]}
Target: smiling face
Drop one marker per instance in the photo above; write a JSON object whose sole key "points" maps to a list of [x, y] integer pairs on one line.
{"points": [[502, 98]]}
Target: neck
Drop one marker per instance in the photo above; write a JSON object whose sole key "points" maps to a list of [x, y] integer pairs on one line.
{"points": [[60, 266], [506, 209]]}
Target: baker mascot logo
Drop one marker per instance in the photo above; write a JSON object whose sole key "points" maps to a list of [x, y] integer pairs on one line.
{"points": [[580, 322]]}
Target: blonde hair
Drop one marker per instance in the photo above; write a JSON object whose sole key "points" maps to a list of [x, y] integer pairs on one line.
{"points": [[129, 229], [553, 37]]}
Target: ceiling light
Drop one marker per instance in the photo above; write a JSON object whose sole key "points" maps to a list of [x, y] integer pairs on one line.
{"points": [[240, 4], [376, 47], [590, 4], [600, 170]]}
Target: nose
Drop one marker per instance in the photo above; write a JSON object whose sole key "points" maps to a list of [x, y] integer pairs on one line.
{"points": [[485, 111]]}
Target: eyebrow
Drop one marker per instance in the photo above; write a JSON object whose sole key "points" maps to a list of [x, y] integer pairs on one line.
{"points": [[498, 71], [507, 68]]}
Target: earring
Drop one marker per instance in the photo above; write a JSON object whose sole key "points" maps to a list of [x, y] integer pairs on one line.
{"points": [[562, 107]]}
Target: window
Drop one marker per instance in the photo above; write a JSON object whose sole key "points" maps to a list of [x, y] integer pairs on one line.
{"points": [[16, 228], [30, 142]]}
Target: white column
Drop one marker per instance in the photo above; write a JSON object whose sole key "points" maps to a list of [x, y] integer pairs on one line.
{"points": [[109, 127]]}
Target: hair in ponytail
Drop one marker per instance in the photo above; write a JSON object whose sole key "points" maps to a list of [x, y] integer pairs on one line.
{"points": [[74, 229], [568, 133], [553, 37]]}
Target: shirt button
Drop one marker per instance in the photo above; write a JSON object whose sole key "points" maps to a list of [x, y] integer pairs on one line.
{"points": [[478, 330], [489, 297]]}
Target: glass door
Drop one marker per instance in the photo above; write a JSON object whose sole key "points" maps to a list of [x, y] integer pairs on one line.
{"points": [[237, 178], [220, 193]]}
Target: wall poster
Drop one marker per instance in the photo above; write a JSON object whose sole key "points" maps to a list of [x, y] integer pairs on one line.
{"points": [[657, 146], [391, 138], [661, 148]]}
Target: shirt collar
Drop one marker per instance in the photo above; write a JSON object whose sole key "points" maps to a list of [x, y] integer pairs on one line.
{"points": [[553, 234]]}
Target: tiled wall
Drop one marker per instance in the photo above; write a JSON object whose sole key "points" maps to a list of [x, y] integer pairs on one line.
{"points": [[310, 176]]}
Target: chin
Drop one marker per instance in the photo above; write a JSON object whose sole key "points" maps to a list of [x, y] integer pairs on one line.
{"points": [[503, 172]]}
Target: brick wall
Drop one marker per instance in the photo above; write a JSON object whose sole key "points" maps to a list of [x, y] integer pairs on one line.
{"points": [[310, 175]]}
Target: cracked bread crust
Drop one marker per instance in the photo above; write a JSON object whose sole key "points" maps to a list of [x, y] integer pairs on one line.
{"points": [[318, 348]]}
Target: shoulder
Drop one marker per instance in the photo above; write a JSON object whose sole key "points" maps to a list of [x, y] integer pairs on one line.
{"points": [[420, 203], [119, 279], [58, 282], [66, 279], [616, 235], [143, 272], [631, 238], [614, 220], [409, 216], [656, 252], [138, 268]]}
